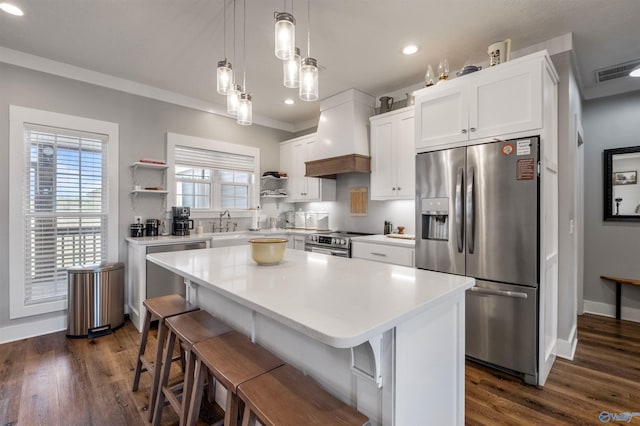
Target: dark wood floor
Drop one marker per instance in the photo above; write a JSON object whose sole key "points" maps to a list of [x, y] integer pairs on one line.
{"points": [[52, 380]]}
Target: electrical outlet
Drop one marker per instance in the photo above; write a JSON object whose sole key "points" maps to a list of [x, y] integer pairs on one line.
{"points": [[137, 219]]}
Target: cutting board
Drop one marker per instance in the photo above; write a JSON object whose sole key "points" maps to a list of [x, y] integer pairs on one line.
{"points": [[403, 236]]}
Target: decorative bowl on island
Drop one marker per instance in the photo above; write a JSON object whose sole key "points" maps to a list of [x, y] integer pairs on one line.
{"points": [[268, 251]]}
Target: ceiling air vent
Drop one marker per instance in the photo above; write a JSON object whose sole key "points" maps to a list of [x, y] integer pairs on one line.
{"points": [[616, 71]]}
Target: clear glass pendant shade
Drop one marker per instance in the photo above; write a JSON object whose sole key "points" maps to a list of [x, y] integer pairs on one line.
{"points": [[224, 77], [291, 71], [245, 114], [309, 79], [233, 96], [285, 32]]}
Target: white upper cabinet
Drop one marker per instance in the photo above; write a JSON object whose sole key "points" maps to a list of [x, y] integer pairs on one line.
{"points": [[393, 155], [503, 100], [293, 155]]}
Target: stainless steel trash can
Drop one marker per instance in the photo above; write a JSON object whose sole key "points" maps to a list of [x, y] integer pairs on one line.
{"points": [[96, 299]]}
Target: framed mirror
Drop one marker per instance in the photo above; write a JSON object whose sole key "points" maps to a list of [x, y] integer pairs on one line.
{"points": [[621, 187]]}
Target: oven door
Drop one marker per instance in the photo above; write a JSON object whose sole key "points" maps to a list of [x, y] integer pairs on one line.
{"points": [[326, 250]]}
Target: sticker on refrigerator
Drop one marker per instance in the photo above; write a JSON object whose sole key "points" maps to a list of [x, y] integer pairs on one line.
{"points": [[526, 169], [524, 147], [507, 149]]}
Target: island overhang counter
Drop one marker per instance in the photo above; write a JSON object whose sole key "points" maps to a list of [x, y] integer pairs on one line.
{"points": [[387, 339]]}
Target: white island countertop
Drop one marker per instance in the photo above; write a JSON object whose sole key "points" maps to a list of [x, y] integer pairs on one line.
{"points": [[338, 301]]}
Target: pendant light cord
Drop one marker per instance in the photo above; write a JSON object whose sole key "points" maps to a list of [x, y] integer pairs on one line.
{"points": [[224, 28], [244, 46], [308, 28], [234, 45]]}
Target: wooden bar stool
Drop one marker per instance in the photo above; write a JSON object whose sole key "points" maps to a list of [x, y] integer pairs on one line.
{"points": [[159, 308], [231, 359], [189, 329], [286, 397]]}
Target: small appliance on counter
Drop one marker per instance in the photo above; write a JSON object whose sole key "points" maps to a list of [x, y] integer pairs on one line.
{"points": [[152, 227], [137, 230], [181, 222]]}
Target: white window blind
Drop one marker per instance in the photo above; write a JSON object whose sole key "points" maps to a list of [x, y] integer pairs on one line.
{"points": [[212, 179], [213, 159], [65, 207]]}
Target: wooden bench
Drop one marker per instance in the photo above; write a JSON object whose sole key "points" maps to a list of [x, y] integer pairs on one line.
{"points": [[619, 282]]}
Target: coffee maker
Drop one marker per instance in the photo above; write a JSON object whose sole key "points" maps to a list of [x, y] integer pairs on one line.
{"points": [[181, 221]]}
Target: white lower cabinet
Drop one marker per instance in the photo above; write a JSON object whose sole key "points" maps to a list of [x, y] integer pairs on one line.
{"points": [[403, 256], [295, 242]]}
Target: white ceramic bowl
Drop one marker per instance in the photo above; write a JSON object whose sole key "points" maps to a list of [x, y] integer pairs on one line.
{"points": [[267, 251]]}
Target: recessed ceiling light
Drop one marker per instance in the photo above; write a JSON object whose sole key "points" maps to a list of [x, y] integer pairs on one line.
{"points": [[635, 72], [410, 50], [11, 9], [289, 101]]}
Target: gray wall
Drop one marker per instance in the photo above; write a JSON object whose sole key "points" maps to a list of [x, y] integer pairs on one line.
{"points": [[611, 248], [143, 126]]}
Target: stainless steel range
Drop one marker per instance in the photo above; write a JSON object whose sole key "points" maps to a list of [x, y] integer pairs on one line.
{"points": [[334, 243]]}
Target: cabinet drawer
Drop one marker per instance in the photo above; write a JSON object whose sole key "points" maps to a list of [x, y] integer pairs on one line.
{"points": [[382, 253]]}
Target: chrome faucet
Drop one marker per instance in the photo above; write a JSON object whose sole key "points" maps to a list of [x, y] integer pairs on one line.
{"points": [[220, 219]]}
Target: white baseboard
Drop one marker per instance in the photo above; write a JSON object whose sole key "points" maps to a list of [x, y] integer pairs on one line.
{"points": [[567, 348], [607, 310], [34, 328]]}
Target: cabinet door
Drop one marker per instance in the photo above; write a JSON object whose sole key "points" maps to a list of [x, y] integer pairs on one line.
{"points": [[298, 183], [506, 100], [404, 157], [287, 165], [312, 185], [382, 253], [382, 148], [442, 115], [298, 243]]}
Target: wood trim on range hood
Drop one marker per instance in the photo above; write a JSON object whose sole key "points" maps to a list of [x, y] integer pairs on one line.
{"points": [[330, 167]]}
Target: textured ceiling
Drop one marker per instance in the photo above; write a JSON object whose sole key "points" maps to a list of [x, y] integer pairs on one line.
{"points": [[175, 45]]}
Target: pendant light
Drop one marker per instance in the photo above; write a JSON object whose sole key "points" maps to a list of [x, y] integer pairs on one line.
{"points": [[244, 101], [233, 95], [285, 32], [244, 109], [309, 68], [291, 71], [225, 73]]}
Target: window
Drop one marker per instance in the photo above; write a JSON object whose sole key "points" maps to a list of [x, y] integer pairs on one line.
{"points": [[212, 175], [62, 212]]}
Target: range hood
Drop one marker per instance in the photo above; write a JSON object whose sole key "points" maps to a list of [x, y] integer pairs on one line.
{"points": [[342, 139]]}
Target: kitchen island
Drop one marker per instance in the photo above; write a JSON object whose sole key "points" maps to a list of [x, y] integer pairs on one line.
{"points": [[386, 339]]}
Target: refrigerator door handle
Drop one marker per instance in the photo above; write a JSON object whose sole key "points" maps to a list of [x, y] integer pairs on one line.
{"points": [[458, 210], [470, 213], [516, 294]]}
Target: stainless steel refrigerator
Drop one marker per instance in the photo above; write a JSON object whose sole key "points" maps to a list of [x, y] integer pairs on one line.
{"points": [[478, 215]]}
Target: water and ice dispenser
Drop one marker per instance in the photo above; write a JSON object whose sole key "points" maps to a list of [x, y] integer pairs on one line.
{"points": [[435, 218]]}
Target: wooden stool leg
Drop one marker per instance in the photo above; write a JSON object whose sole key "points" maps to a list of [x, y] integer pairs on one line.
{"points": [[211, 388], [162, 333], [143, 345], [187, 388], [248, 416], [196, 395], [231, 412], [164, 379]]}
